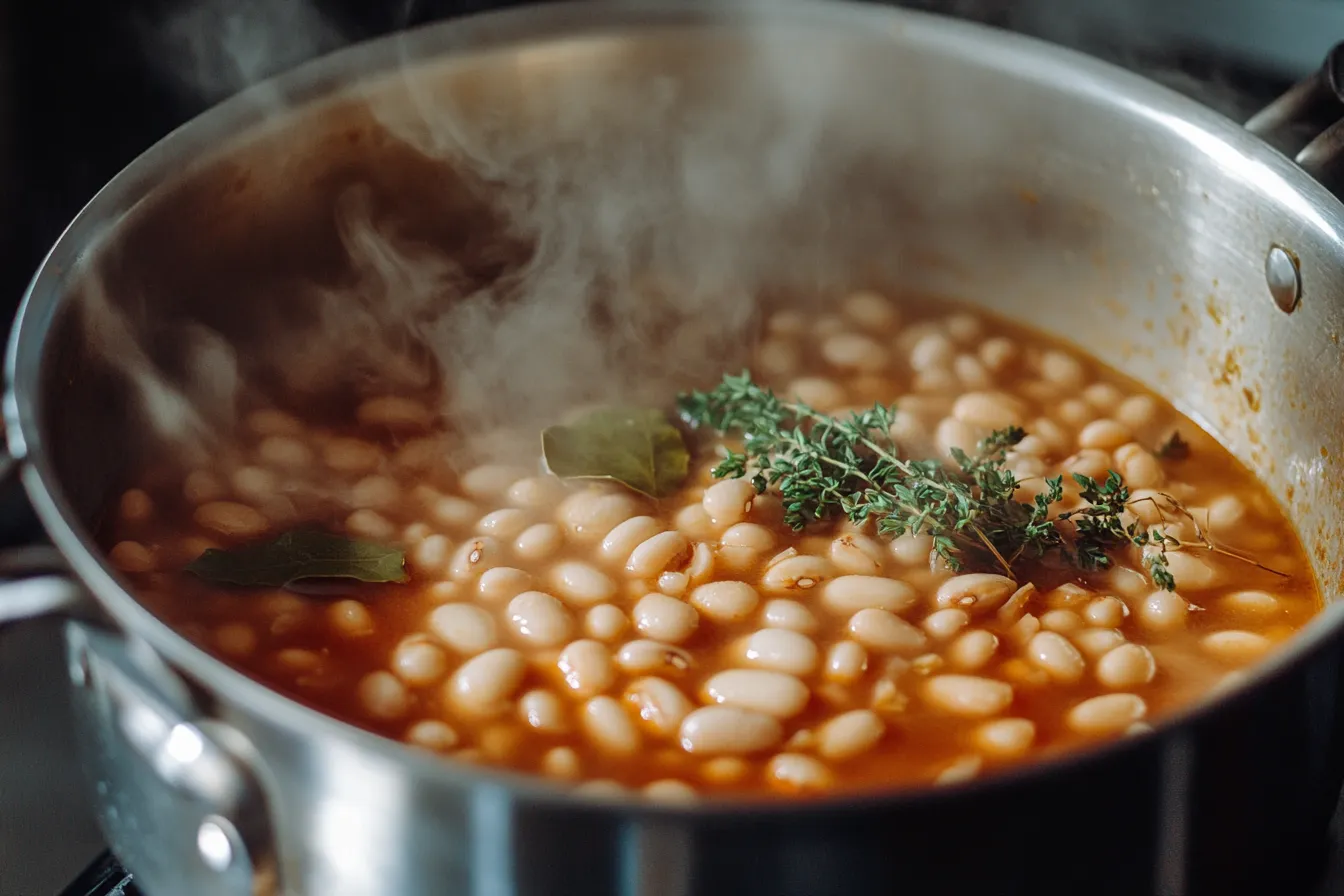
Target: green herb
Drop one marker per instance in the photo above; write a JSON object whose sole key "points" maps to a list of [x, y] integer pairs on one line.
{"points": [[1174, 447], [298, 557], [825, 467], [639, 448]]}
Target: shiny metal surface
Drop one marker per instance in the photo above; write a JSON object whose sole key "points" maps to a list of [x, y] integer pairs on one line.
{"points": [[1314, 106], [1080, 199]]}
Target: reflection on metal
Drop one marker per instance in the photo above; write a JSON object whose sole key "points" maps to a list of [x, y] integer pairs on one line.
{"points": [[1284, 278]]}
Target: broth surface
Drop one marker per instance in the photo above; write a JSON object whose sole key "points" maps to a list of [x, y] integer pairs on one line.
{"points": [[689, 646]]}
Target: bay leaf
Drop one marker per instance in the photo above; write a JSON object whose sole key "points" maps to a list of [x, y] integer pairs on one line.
{"points": [[636, 447], [304, 556]]}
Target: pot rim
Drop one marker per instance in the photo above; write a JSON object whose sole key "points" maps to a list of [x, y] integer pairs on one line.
{"points": [[331, 77]]}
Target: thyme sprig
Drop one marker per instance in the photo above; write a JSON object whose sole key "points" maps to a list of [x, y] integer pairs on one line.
{"points": [[825, 466]]}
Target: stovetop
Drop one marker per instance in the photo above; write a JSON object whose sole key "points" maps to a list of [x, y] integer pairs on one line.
{"points": [[1229, 88]]}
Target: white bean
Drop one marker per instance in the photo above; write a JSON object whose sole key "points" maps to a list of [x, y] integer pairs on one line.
{"points": [[1107, 435], [538, 541], [773, 693], [231, 519], [536, 491], [466, 628], [975, 592], [781, 650], [849, 594], [817, 392], [1193, 573], [452, 511], [846, 661], [1054, 655], [419, 662], [623, 539], [671, 791], [871, 310], [752, 536], [1006, 738], [659, 703], [728, 730], [1137, 412], [799, 573], [473, 557], [351, 455], [132, 556], [236, 639], [664, 618], [644, 656], [968, 695], [725, 601], [728, 501], [1126, 666], [973, 650], [586, 667], [539, 619], [667, 550], [790, 614], [609, 727], [605, 622], [912, 550], [542, 711], [502, 583], [1106, 612], [1236, 646], [1164, 611], [796, 773], [504, 523], [488, 481], [944, 624], [856, 555], [994, 410], [849, 734], [1064, 621], [383, 696], [432, 734], [581, 584], [1259, 603], [590, 515], [1097, 642], [886, 632], [931, 351], [1107, 714], [850, 351], [561, 763]]}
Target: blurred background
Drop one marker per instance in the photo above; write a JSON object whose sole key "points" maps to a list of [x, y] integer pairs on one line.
{"points": [[87, 86]]}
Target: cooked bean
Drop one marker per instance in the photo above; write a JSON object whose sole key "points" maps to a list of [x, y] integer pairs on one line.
{"points": [[886, 632], [871, 310], [968, 695], [1106, 612], [781, 650], [944, 624], [1061, 621], [502, 583], [586, 667], [817, 392], [1062, 368], [1258, 603], [995, 410], [668, 790], [728, 730], [1236, 646], [728, 501], [777, 358], [1095, 643], [665, 618], [1006, 738], [483, 684], [202, 486], [694, 523], [561, 763], [580, 583], [674, 584], [609, 727], [1107, 714], [795, 773], [997, 352], [952, 433], [773, 693], [1137, 412], [536, 491], [623, 539], [431, 734], [418, 662], [1057, 657], [543, 711], [975, 592], [849, 734], [136, 506], [1164, 611], [931, 351], [725, 601], [856, 555], [132, 556], [605, 622], [1107, 435], [850, 351], [846, 661], [347, 455], [970, 372], [701, 567], [370, 524], [466, 628], [1126, 666], [590, 515], [643, 656], [962, 770], [799, 573], [667, 550], [351, 618], [1193, 573], [383, 696], [231, 519], [504, 523], [539, 619], [236, 639], [912, 550], [453, 511], [972, 650], [431, 555], [474, 556], [1138, 467], [849, 594], [790, 614], [659, 703], [538, 541]]}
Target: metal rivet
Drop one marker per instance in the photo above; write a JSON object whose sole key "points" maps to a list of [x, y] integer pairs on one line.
{"points": [[1284, 278], [214, 843]]}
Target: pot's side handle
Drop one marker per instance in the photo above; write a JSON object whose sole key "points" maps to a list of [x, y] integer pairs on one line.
{"points": [[1307, 122]]}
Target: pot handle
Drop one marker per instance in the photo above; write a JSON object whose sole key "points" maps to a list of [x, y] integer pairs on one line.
{"points": [[1307, 121]]}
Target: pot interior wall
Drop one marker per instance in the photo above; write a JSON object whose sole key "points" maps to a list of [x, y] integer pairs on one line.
{"points": [[921, 157]]}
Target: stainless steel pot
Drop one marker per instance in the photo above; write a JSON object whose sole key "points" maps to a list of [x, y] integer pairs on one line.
{"points": [[1080, 199]]}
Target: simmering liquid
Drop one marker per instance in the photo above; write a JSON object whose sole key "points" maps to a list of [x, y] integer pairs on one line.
{"points": [[694, 646]]}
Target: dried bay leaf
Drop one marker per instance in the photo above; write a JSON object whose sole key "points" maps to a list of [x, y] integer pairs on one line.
{"points": [[301, 556], [638, 448]]}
